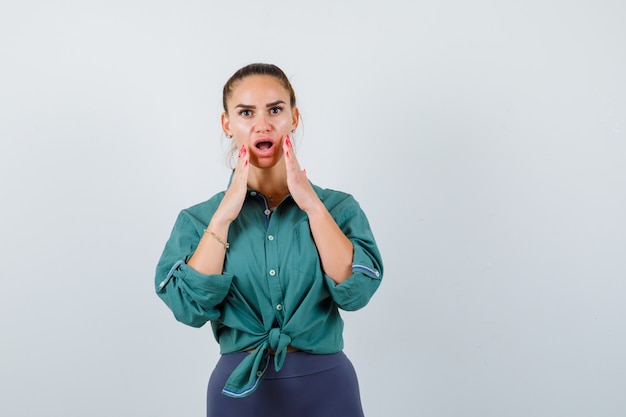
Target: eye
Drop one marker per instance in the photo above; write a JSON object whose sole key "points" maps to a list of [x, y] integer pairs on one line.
{"points": [[276, 110], [245, 113]]}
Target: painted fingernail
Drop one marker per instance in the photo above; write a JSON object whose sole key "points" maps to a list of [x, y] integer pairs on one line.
{"points": [[288, 140]]}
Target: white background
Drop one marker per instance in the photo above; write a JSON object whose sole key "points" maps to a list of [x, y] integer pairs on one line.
{"points": [[485, 140]]}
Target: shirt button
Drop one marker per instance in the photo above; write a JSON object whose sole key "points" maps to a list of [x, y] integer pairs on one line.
{"points": [[268, 212], [253, 193], [270, 237], [279, 307], [272, 272]]}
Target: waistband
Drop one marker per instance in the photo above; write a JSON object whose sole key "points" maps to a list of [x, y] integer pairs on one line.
{"points": [[297, 363]]}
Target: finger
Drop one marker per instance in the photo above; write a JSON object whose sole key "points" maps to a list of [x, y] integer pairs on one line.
{"points": [[241, 169], [243, 153], [286, 148], [242, 158], [290, 156]]}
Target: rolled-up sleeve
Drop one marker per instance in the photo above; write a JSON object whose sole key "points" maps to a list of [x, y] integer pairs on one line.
{"points": [[367, 267], [194, 298]]}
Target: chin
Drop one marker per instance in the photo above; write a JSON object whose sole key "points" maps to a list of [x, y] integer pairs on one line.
{"points": [[266, 163]]}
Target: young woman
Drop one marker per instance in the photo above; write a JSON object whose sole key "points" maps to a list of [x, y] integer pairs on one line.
{"points": [[269, 262]]}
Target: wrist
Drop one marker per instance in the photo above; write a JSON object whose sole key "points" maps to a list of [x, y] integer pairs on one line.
{"points": [[220, 220], [217, 238], [316, 208]]}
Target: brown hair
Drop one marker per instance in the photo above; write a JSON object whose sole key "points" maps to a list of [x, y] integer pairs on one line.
{"points": [[257, 69]]}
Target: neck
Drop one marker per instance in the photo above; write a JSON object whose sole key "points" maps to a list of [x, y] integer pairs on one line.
{"points": [[271, 182]]}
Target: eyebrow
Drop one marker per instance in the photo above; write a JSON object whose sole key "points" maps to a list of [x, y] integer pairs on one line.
{"points": [[268, 105]]}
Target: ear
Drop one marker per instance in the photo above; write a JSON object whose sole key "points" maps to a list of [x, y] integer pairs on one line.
{"points": [[225, 124], [295, 118]]}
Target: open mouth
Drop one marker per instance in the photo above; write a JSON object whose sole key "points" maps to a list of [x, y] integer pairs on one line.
{"points": [[264, 145]]}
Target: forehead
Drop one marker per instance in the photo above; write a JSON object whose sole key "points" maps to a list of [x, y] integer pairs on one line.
{"points": [[258, 87]]}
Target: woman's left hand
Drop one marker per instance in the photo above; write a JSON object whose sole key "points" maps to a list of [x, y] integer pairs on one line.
{"points": [[299, 185], [335, 249]]}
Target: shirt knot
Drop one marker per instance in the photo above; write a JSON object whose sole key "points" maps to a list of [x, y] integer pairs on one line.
{"points": [[246, 377], [278, 343]]}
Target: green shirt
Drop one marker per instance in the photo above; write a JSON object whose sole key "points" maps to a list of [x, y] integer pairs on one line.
{"points": [[272, 292]]}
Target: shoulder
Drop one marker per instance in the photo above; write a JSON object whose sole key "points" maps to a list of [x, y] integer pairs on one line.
{"points": [[212, 202], [328, 194], [336, 201], [204, 210]]}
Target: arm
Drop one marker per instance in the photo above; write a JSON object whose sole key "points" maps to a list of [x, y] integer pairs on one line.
{"points": [[193, 297], [208, 257], [190, 277], [367, 267], [348, 252], [334, 248]]}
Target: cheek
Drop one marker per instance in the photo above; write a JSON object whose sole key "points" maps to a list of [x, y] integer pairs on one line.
{"points": [[284, 125], [240, 132], [238, 141]]}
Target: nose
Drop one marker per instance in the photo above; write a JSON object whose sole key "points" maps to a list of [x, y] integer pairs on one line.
{"points": [[262, 124]]}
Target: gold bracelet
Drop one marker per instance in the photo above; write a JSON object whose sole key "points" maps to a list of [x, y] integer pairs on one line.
{"points": [[219, 239]]}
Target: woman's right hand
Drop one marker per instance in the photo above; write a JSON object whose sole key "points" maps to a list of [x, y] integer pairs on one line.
{"points": [[234, 197], [208, 257]]}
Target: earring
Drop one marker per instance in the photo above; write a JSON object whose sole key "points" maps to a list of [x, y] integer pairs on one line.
{"points": [[230, 136], [293, 130]]}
